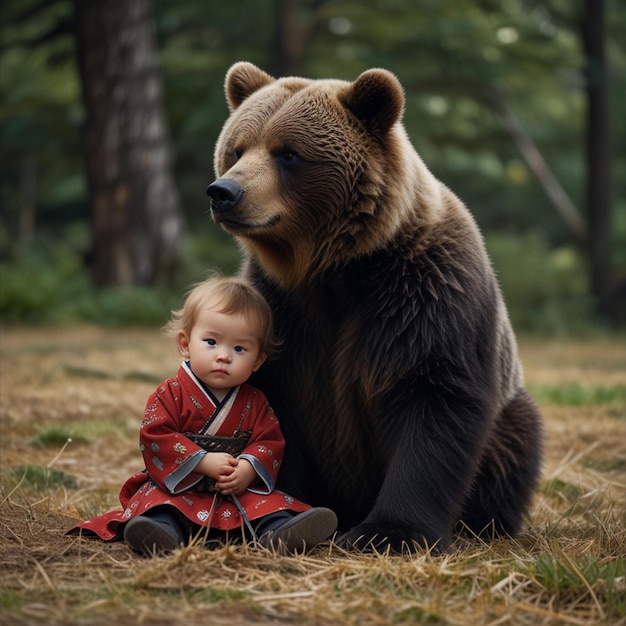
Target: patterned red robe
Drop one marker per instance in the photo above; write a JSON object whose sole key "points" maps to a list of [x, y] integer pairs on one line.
{"points": [[182, 404]]}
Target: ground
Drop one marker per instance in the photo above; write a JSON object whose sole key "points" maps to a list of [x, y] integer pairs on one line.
{"points": [[71, 400]]}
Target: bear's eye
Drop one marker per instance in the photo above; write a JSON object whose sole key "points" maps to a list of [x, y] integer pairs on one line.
{"points": [[287, 156]]}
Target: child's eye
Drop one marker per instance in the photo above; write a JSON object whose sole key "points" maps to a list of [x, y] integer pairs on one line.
{"points": [[211, 342], [239, 349]]}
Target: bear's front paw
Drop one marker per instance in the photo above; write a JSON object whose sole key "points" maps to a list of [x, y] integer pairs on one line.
{"points": [[369, 537]]}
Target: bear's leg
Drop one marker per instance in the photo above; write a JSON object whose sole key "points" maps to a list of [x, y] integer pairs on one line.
{"points": [[436, 450], [508, 474]]}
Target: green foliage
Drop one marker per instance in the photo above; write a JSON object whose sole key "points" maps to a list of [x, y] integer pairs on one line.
{"points": [[44, 282], [447, 55], [545, 289], [50, 283], [128, 306], [41, 113]]}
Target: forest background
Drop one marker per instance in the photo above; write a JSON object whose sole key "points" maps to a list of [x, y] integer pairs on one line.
{"points": [[515, 105]]}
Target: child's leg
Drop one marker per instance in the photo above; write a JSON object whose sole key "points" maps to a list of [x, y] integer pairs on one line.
{"points": [[272, 521], [290, 532], [158, 530]]}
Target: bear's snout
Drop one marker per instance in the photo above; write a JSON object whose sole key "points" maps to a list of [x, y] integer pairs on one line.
{"points": [[225, 194]]}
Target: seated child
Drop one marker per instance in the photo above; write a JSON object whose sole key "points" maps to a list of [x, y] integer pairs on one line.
{"points": [[224, 333]]}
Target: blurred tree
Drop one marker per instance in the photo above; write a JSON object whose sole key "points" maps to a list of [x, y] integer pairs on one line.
{"points": [[288, 38], [477, 72], [137, 226], [295, 22], [447, 54], [40, 112], [598, 156], [537, 164]]}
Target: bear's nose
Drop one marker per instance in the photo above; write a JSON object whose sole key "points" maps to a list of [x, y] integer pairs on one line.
{"points": [[225, 194]]}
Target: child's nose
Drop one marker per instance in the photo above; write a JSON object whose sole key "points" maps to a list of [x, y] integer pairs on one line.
{"points": [[225, 356]]}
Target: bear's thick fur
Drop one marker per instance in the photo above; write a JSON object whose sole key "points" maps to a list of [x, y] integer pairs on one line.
{"points": [[398, 384]]}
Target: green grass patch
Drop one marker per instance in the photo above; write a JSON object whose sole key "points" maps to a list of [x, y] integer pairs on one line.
{"points": [[615, 464], [210, 595], [57, 436], [557, 488], [614, 590], [580, 573], [9, 598], [100, 374], [554, 574], [39, 477], [142, 377], [416, 615], [89, 372], [83, 432], [574, 394]]}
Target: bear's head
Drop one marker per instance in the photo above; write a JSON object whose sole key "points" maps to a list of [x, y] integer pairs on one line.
{"points": [[312, 173]]}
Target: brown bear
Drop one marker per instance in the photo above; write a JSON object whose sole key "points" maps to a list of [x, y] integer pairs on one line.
{"points": [[398, 384]]}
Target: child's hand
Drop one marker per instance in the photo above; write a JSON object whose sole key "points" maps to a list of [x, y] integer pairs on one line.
{"points": [[237, 481], [217, 464]]}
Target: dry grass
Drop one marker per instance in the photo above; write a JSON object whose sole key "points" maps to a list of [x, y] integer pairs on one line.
{"points": [[91, 385]]}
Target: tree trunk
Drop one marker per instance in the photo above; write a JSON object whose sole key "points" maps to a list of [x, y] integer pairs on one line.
{"points": [[137, 225], [598, 151], [28, 199], [288, 38]]}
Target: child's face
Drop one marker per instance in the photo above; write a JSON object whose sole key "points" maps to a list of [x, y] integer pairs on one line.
{"points": [[223, 350]]}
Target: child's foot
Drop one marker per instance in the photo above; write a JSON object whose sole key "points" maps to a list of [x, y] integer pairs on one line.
{"points": [[302, 532], [149, 537]]}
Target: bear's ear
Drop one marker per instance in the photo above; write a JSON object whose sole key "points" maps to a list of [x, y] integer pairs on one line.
{"points": [[242, 80], [376, 98]]}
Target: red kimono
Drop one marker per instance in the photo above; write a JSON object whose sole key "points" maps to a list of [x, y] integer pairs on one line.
{"points": [[180, 405]]}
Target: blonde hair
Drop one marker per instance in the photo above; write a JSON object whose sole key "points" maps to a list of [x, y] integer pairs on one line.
{"points": [[225, 295]]}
